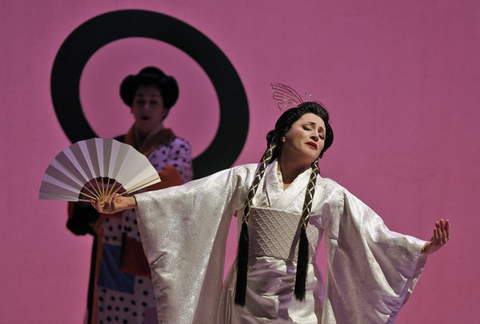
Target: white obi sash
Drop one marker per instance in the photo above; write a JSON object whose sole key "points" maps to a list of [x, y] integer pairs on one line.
{"points": [[275, 233]]}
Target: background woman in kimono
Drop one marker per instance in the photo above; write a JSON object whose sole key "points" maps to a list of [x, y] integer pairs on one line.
{"points": [[371, 270], [120, 288]]}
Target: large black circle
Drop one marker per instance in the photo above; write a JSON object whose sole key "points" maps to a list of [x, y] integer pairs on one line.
{"points": [[89, 37]]}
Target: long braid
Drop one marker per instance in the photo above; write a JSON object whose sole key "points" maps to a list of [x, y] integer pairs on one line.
{"points": [[303, 254], [243, 242]]}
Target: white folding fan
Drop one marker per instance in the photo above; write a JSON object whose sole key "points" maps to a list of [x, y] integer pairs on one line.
{"points": [[118, 165]]}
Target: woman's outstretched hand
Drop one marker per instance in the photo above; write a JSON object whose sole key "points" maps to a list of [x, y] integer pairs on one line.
{"points": [[441, 235], [114, 204]]}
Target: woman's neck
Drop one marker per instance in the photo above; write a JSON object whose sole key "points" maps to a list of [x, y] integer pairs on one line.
{"points": [[143, 137], [290, 170]]}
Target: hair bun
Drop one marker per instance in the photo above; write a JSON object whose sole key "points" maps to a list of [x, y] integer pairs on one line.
{"points": [[150, 75]]}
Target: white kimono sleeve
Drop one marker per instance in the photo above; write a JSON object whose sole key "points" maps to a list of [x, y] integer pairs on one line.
{"points": [[371, 270], [184, 231]]}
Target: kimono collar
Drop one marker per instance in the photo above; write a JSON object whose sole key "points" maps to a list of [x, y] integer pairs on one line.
{"points": [[151, 142], [273, 187]]}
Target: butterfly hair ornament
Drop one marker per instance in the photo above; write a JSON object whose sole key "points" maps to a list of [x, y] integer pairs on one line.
{"points": [[286, 96]]}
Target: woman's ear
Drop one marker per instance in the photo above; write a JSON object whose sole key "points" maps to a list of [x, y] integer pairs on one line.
{"points": [[165, 113]]}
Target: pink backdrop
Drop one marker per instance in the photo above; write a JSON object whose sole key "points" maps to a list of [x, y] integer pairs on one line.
{"points": [[401, 79]]}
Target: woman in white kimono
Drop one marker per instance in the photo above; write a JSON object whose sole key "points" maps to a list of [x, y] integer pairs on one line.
{"points": [[371, 270]]}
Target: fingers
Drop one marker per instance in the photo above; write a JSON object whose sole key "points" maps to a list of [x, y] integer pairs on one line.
{"points": [[442, 232], [113, 204], [104, 206], [441, 235], [435, 235], [96, 204], [438, 232], [108, 205], [447, 231]]}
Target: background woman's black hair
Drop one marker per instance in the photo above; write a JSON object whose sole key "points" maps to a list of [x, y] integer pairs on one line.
{"points": [[150, 76]]}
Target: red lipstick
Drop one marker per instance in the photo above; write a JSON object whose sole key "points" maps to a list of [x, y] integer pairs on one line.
{"points": [[312, 144]]}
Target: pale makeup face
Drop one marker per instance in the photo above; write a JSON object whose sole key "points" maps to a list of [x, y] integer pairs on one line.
{"points": [[147, 109], [305, 139]]}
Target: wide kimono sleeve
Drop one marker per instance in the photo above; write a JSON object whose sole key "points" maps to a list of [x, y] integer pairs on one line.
{"points": [[184, 231], [371, 270]]}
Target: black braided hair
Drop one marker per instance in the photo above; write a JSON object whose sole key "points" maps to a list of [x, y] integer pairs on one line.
{"points": [[303, 253], [243, 241], [282, 126]]}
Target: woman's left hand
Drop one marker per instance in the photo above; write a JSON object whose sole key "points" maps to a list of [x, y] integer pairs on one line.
{"points": [[441, 235]]}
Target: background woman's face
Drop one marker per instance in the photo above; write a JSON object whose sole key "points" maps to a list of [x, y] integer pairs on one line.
{"points": [[147, 108]]}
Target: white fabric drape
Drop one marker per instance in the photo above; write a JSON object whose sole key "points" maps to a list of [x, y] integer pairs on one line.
{"points": [[371, 270]]}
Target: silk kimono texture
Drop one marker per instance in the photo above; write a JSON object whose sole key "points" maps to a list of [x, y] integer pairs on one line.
{"points": [[371, 270]]}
